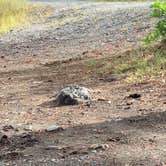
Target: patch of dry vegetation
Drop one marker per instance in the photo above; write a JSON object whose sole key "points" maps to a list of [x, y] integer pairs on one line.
{"points": [[140, 64], [17, 13]]}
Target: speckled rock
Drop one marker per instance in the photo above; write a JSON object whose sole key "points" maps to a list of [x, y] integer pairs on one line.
{"points": [[72, 95]]}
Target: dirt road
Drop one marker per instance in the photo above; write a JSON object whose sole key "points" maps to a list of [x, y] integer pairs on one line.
{"points": [[79, 27], [39, 60]]}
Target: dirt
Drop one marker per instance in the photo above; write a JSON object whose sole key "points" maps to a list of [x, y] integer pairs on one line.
{"points": [[123, 125]]}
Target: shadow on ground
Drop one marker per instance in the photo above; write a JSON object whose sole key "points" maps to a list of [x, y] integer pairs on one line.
{"points": [[134, 141]]}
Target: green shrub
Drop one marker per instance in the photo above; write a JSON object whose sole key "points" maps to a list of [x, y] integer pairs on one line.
{"points": [[159, 11]]}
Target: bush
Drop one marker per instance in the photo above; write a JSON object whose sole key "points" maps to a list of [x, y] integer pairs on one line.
{"points": [[159, 11]]}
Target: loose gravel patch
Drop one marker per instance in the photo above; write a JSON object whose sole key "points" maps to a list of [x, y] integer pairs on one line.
{"points": [[79, 27]]}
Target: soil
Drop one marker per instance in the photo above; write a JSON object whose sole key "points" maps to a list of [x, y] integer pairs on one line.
{"points": [[124, 124]]}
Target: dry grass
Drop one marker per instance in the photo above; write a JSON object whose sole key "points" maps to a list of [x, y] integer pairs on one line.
{"points": [[122, 0], [13, 14], [141, 64], [18, 13]]}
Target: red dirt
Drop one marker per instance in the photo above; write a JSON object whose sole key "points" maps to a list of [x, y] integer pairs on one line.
{"points": [[128, 130]]}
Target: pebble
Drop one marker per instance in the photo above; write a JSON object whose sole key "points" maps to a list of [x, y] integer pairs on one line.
{"points": [[54, 128], [99, 147]]}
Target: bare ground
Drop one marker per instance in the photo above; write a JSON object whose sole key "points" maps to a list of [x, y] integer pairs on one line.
{"points": [[114, 129]]}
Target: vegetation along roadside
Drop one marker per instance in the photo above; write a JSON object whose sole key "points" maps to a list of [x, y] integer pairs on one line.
{"points": [[17, 13]]}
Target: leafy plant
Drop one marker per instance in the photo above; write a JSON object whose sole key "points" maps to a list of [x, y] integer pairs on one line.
{"points": [[159, 11]]}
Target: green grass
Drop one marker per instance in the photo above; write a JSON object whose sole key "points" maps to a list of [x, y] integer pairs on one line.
{"points": [[17, 13], [140, 64]]}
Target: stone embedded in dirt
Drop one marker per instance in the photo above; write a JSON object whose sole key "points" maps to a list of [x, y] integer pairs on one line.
{"points": [[129, 102], [12, 155], [102, 99], [78, 152], [73, 95], [113, 77], [54, 148], [7, 128], [54, 128], [3, 139], [99, 147], [119, 137], [134, 96], [109, 102], [114, 139], [24, 140], [85, 52]]}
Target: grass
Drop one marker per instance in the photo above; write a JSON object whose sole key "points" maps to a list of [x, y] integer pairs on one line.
{"points": [[17, 13], [141, 64], [13, 14], [122, 0]]}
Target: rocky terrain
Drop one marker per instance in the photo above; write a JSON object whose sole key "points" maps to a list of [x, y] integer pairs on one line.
{"points": [[123, 124]]}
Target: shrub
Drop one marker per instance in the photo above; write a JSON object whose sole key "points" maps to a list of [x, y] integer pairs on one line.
{"points": [[159, 11]]}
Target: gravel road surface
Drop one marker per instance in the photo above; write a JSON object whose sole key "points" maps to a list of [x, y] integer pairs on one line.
{"points": [[115, 128], [77, 27]]}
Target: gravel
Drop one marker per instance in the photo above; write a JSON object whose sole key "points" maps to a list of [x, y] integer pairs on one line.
{"points": [[78, 26]]}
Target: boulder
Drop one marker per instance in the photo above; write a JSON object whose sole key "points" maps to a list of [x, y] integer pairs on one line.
{"points": [[54, 128], [73, 95]]}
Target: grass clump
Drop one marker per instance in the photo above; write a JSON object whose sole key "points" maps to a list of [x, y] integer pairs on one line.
{"points": [[13, 14], [141, 64], [17, 13]]}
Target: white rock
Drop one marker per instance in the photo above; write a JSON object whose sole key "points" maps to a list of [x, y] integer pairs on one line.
{"points": [[54, 128], [72, 95]]}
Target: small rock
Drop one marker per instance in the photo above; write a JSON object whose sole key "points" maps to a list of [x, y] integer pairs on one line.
{"points": [[50, 81], [54, 128], [7, 128], [3, 139], [114, 139], [127, 108], [54, 148], [53, 160], [129, 102], [99, 147], [134, 96], [109, 102], [102, 99], [85, 52], [72, 95], [12, 155]]}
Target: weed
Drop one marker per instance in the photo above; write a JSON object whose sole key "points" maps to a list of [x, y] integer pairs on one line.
{"points": [[140, 64]]}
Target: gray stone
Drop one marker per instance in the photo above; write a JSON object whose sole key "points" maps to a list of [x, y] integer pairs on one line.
{"points": [[72, 95], [54, 128], [3, 138], [54, 148]]}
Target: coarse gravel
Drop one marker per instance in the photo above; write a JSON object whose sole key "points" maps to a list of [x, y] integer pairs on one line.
{"points": [[79, 26]]}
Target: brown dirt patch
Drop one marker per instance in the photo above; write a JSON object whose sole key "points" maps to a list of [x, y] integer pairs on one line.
{"points": [[128, 130]]}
